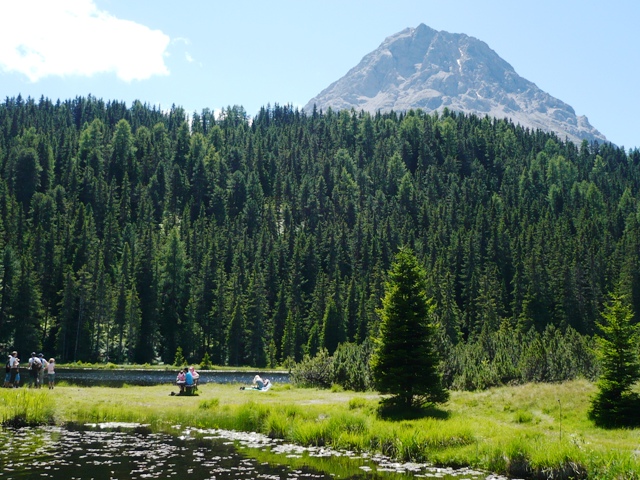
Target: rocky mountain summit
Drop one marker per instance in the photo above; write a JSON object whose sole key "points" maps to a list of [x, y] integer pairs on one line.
{"points": [[428, 69]]}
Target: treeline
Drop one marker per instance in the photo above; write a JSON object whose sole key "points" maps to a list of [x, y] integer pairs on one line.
{"points": [[127, 232]]}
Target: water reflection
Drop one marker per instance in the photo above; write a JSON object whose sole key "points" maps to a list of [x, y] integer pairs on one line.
{"points": [[133, 452]]}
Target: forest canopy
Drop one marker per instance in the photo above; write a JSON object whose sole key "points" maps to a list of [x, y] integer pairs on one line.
{"points": [[127, 232]]}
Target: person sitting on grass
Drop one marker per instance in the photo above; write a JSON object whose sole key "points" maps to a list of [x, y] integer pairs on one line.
{"points": [[258, 384]]}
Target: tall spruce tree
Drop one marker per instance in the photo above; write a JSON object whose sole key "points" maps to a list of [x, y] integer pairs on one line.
{"points": [[616, 404], [405, 360], [173, 291], [333, 331]]}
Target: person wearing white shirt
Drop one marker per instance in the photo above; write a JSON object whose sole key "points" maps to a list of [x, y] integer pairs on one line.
{"points": [[14, 362]]}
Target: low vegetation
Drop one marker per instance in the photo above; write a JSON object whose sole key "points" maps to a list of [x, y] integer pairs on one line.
{"points": [[535, 430]]}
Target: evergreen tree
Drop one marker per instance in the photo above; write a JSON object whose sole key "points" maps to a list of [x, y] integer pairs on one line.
{"points": [[616, 404], [146, 283], [8, 283], [333, 331], [27, 176], [27, 311], [515, 228], [236, 336], [405, 360], [173, 294]]}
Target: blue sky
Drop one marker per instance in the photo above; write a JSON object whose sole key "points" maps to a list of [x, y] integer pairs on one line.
{"points": [[212, 54]]}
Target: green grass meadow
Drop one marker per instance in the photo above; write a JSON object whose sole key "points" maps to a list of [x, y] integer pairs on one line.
{"points": [[533, 431]]}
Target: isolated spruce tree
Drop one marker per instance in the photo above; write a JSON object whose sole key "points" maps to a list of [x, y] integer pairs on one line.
{"points": [[615, 404], [405, 360]]}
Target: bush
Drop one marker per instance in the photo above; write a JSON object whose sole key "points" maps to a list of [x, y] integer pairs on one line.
{"points": [[313, 371], [179, 360], [206, 364], [347, 369], [351, 367], [508, 356]]}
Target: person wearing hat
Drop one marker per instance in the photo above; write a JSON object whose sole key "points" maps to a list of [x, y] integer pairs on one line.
{"points": [[34, 369]]}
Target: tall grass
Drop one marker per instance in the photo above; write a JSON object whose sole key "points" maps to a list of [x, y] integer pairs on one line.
{"points": [[24, 407], [529, 431]]}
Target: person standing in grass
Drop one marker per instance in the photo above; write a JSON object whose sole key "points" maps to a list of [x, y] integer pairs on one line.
{"points": [[13, 366], [15, 372], [34, 368], [51, 372], [44, 364], [7, 375]]}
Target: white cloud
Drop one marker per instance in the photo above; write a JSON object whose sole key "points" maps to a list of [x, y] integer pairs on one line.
{"points": [[41, 38], [184, 40]]}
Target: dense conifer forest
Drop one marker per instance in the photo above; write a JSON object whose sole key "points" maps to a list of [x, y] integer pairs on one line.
{"points": [[129, 232]]}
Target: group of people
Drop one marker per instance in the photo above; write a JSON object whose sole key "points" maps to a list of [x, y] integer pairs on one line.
{"points": [[187, 380], [37, 367]]}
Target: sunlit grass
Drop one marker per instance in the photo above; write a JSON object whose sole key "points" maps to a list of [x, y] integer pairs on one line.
{"points": [[21, 407], [531, 429]]}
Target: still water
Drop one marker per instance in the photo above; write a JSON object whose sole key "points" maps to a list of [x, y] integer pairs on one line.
{"points": [[121, 451], [117, 378]]}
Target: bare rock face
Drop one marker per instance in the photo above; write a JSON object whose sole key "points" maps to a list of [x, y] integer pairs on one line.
{"points": [[424, 68]]}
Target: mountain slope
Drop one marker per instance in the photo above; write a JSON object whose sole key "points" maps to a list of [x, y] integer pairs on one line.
{"points": [[428, 69]]}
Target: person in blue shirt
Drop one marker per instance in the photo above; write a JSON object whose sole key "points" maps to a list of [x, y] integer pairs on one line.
{"points": [[188, 377]]}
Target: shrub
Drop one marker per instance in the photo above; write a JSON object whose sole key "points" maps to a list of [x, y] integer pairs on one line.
{"points": [[313, 371], [351, 366], [508, 356], [209, 404], [356, 403], [179, 360], [206, 364]]}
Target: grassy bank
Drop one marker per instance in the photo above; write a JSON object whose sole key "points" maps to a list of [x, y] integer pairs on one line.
{"points": [[535, 430]]}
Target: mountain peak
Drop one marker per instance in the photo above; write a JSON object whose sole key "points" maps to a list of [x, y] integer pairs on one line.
{"points": [[430, 69]]}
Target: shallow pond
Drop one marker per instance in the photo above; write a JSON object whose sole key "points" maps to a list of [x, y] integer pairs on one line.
{"points": [[117, 378], [121, 451]]}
